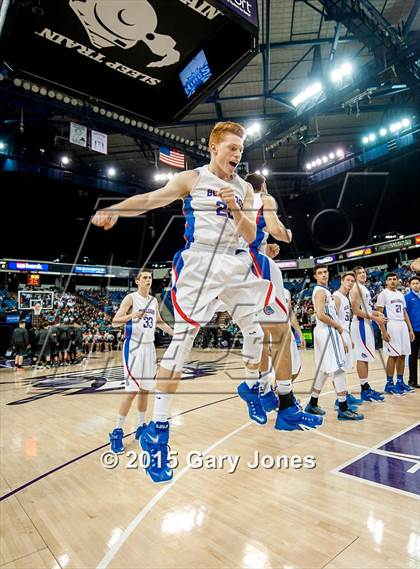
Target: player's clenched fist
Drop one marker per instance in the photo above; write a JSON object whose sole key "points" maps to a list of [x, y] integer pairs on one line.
{"points": [[272, 250], [228, 196], [105, 218]]}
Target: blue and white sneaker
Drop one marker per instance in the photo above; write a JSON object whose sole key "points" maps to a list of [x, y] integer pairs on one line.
{"points": [[352, 400], [269, 401], [405, 387], [252, 399], [349, 415], [352, 407], [394, 389], [116, 440], [314, 409], [154, 441], [294, 419], [139, 431], [371, 395]]}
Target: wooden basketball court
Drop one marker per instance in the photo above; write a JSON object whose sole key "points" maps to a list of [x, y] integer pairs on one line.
{"points": [[60, 507]]}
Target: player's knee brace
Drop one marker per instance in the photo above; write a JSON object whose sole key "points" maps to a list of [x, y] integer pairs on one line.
{"points": [[253, 336], [179, 348], [340, 381]]}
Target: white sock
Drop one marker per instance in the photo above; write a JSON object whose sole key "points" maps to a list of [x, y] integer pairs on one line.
{"points": [[142, 416], [251, 377], [161, 409], [284, 387], [121, 421], [341, 398], [364, 381]]}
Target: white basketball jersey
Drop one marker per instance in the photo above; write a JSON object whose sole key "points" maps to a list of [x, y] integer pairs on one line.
{"points": [[142, 330], [366, 299], [262, 235], [344, 313], [329, 306], [393, 302], [208, 221]]}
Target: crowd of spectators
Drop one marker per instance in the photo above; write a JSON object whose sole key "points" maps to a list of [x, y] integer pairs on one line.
{"points": [[84, 320]]}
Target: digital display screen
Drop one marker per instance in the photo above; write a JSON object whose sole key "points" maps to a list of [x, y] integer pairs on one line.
{"points": [[288, 264], [359, 253], [14, 318], [86, 270], [393, 245], [33, 280], [27, 266], [324, 260], [195, 74]]}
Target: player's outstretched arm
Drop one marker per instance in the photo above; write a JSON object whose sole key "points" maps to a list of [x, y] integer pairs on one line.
{"points": [[177, 188], [273, 224]]}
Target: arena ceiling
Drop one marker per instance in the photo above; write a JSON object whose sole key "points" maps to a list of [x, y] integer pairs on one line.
{"points": [[298, 43]]}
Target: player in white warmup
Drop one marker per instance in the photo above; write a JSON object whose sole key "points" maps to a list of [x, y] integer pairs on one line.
{"points": [[397, 334], [342, 305], [218, 210], [362, 333], [139, 313], [329, 349], [275, 318]]}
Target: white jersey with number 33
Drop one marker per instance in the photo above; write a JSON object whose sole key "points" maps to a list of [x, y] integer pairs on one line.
{"points": [[142, 330]]}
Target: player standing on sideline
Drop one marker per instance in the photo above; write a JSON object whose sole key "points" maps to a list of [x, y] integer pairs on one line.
{"points": [[412, 300], [217, 208], [329, 349], [275, 318], [139, 313], [362, 333], [397, 334], [20, 341], [342, 305]]}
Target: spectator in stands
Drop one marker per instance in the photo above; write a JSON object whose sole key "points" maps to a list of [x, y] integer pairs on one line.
{"points": [[20, 342]]}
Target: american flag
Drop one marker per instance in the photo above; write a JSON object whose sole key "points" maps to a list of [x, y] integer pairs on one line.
{"points": [[172, 157]]}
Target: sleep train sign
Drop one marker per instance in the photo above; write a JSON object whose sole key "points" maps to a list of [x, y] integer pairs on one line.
{"points": [[140, 55]]}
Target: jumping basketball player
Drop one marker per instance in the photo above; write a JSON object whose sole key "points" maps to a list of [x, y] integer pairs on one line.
{"points": [[362, 333], [342, 305], [397, 334], [218, 209], [139, 313], [275, 318], [329, 349]]}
